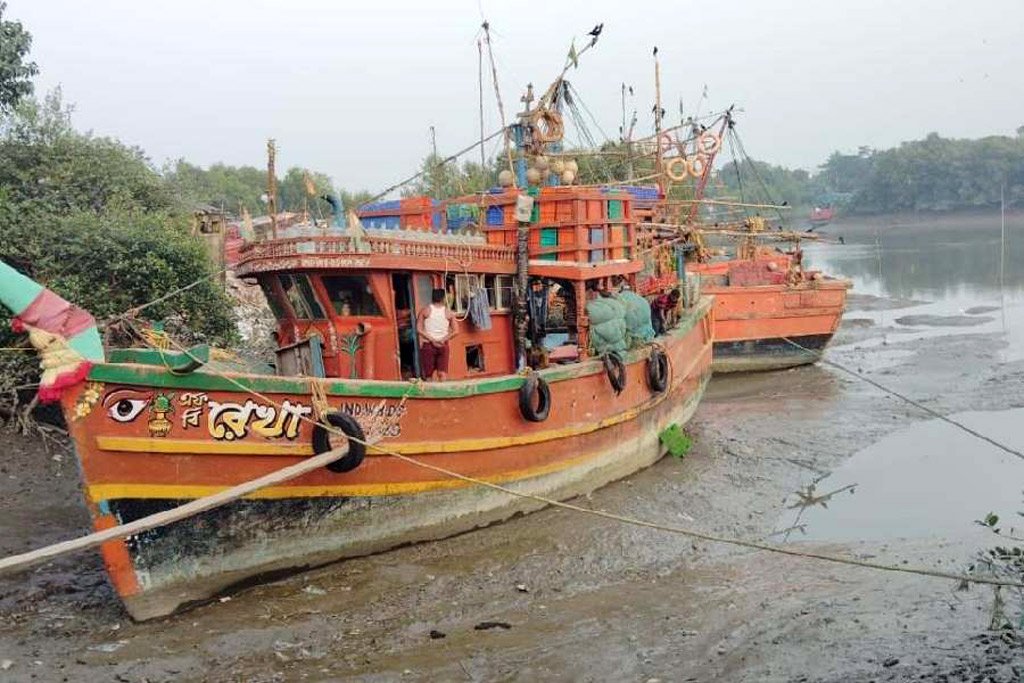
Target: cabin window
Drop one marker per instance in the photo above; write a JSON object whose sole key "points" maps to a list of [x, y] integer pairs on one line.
{"points": [[300, 296], [459, 288], [351, 295], [272, 299], [499, 291]]}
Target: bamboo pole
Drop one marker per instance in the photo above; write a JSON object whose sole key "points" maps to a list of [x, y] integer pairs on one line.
{"points": [[272, 187], [497, 95], [658, 166], [25, 560]]}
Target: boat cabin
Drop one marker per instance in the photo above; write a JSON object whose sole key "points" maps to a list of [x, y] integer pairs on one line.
{"points": [[346, 298]]}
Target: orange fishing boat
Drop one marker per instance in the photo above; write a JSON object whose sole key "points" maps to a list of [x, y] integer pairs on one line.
{"points": [[157, 427], [771, 312]]}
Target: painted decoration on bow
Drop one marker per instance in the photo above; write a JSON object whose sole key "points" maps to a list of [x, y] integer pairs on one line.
{"points": [[224, 420], [229, 421]]}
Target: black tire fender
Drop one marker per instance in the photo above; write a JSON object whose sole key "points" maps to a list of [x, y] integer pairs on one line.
{"points": [[616, 370], [356, 438], [657, 371], [535, 410]]}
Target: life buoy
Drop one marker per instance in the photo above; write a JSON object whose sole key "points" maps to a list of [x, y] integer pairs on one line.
{"points": [[657, 370], [547, 126], [356, 438], [697, 165], [671, 168], [616, 370], [709, 142], [535, 399]]}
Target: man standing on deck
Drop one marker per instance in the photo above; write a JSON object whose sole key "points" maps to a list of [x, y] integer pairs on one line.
{"points": [[435, 325]]}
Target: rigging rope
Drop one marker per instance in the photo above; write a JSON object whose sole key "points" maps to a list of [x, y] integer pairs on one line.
{"points": [[931, 411]]}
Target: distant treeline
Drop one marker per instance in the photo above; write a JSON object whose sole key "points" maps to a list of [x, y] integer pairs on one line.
{"points": [[233, 188], [933, 174]]}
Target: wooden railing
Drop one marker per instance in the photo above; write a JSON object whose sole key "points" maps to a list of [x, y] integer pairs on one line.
{"points": [[345, 245]]}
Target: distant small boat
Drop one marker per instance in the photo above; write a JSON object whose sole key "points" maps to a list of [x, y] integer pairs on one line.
{"points": [[822, 215]]}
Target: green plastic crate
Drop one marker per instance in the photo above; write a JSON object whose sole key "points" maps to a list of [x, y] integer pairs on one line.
{"points": [[615, 211], [548, 238]]}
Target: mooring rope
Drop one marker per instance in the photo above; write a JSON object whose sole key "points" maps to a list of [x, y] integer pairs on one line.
{"points": [[931, 411], [753, 545], [624, 519]]}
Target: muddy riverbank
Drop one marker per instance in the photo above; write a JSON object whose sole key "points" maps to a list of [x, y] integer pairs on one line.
{"points": [[561, 596]]}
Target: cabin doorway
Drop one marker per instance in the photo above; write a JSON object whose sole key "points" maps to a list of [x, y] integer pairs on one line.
{"points": [[405, 323]]}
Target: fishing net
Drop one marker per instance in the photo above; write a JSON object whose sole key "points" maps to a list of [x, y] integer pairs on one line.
{"points": [[608, 330], [638, 317]]}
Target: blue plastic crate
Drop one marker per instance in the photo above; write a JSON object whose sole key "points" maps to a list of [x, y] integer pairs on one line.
{"points": [[393, 205], [495, 215], [641, 192]]}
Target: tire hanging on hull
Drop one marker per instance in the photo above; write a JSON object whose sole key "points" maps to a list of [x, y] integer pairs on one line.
{"points": [[535, 409], [616, 370], [352, 430], [657, 371]]}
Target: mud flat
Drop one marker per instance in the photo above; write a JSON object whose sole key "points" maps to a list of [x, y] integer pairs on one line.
{"points": [[561, 596], [944, 320]]}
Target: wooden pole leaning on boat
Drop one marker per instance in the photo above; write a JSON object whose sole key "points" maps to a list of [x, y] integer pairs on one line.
{"points": [[25, 560]]}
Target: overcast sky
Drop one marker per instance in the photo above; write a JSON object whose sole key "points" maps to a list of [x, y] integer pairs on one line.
{"points": [[351, 89]]}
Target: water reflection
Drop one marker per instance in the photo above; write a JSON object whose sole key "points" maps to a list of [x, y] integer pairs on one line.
{"points": [[941, 260], [929, 480], [953, 266]]}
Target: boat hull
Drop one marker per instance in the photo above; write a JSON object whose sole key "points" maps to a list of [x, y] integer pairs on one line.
{"points": [[759, 355], [752, 323], [215, 437]]}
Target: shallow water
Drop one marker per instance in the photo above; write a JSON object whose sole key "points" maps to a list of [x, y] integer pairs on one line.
{"points": [[928, 480], [945, 270]]}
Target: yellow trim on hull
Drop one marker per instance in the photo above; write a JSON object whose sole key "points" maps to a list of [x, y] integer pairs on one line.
{"points": [[114, 491], [144, 445], [98, 492]]}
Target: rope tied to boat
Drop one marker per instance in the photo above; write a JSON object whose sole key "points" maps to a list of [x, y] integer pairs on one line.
{"points": [[917, 404], [19, 562]]}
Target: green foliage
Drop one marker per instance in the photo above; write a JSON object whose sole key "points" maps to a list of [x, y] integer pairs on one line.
{"points": [[16, 71], [230, 188], [939, 174], [109, 262], [233, 188], [764, 183], [293, 193], [89, 218], [47, 166], [444, 181]]}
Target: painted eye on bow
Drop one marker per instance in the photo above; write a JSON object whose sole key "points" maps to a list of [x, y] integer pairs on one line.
{"points": [[127, 409]]}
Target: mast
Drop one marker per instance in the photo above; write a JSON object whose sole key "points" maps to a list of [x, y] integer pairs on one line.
{"points": [[433, 161], [497, 95], [702, 182], [480, 78], [272, 187], [657, 120]]}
